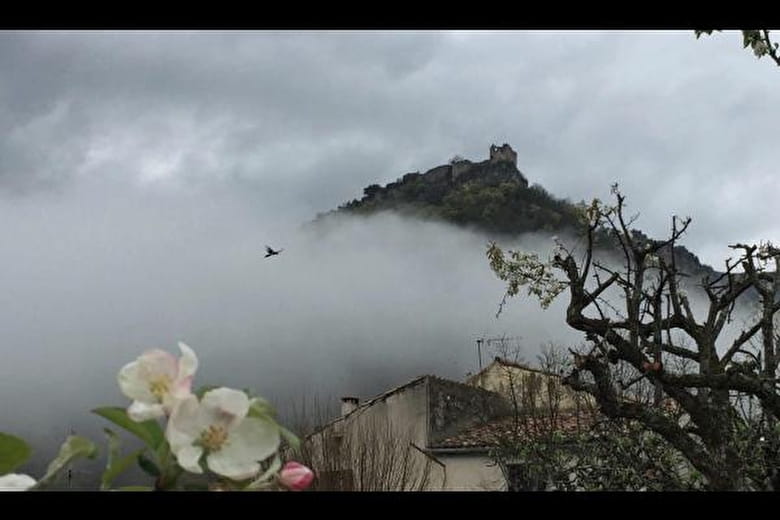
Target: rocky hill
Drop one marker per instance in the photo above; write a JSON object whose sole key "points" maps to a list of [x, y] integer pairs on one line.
{"points": [[492, 196]]}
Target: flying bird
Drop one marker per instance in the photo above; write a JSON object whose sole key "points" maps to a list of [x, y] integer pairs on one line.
{"points": [[271, 252]]}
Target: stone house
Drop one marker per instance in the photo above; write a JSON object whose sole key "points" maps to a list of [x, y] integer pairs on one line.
{"points": [[525, 386], [400, 440], [428, 434]]}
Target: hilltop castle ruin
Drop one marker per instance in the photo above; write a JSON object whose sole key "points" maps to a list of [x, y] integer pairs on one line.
{"points": [[503, 153], [500, 167], [502, 164]]}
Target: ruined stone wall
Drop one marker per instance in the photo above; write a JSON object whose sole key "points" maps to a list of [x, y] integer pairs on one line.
{"points": [[459, 168], [439, 175], [503, 153], [490, 173], [454, 406]]}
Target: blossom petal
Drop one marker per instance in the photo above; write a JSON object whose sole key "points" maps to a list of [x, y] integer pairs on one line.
{"points": [[140, 411], [252, 441], [156, 364], [133, 385], [16, 482], [188, 362], [225, 407], [185, 424], [188, 458], [181, 390], [235, 469]]}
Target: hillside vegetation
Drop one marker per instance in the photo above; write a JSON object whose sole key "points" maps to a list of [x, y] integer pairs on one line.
{"points": [[492, 196]]}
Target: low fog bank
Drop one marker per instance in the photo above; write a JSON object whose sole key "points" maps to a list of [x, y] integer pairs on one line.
{"points": [[95, 275]]}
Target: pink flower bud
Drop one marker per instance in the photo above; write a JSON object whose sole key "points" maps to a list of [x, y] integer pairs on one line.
{"points": [[296, 476]]}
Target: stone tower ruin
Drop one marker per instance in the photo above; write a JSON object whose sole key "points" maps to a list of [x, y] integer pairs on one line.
{"points": [[503, 153]]}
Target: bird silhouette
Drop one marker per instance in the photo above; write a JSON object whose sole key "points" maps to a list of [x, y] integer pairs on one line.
{"points": [[271, 252]]}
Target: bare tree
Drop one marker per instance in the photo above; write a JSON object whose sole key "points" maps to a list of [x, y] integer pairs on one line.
{"points": [[557, 440], [647, 331], [528, 447]]}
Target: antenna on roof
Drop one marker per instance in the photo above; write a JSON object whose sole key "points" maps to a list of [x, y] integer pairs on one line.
{"points": [[502, 341], [479, 352]]}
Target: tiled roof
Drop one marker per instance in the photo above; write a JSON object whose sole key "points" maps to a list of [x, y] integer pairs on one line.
{"points": [[491, 433]]}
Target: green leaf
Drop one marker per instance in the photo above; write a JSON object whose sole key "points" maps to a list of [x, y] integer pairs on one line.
{"points": [[148, 431], [74, 447], [749, 36], [163, 454], [116, 465], [292, 440], [13, 452], [148, 466], [261, 408], [111, 457], [113, 446], [264, 479]]}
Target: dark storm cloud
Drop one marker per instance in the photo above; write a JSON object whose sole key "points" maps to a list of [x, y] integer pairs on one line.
{"points": [[278, 107], [141, 173], [684, 125]]}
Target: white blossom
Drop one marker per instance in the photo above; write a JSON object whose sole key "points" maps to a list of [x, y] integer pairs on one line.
{"points": [[156, 381], [218, 428], [16, 482]]}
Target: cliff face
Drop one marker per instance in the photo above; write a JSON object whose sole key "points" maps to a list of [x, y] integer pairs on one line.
{"points": [[491, 195]]}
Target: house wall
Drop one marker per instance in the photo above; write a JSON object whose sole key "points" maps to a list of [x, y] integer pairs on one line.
{"points": [[380, 444], [508, 379], [396, 429], [471, 472], [404, 410], [454, 406]]}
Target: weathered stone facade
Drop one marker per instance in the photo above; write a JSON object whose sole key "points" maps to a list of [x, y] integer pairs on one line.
{"points": [[437, 432], [503, 153], [439, 175], [403, 427], [455, 406], [459, 168], [501, 166], [517, 382]]}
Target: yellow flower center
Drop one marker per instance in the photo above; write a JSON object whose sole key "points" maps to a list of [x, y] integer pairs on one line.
{"points": [[213, 438], [160, 387]]}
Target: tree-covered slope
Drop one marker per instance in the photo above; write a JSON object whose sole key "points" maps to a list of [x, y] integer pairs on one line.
{"points": [[492, 196]]}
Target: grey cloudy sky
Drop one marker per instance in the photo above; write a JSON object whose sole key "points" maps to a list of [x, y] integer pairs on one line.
{"points": [[686, 126], [142, 172]]}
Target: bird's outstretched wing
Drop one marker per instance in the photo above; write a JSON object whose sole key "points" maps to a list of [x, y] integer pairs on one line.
{"points": [[271, 252]]}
